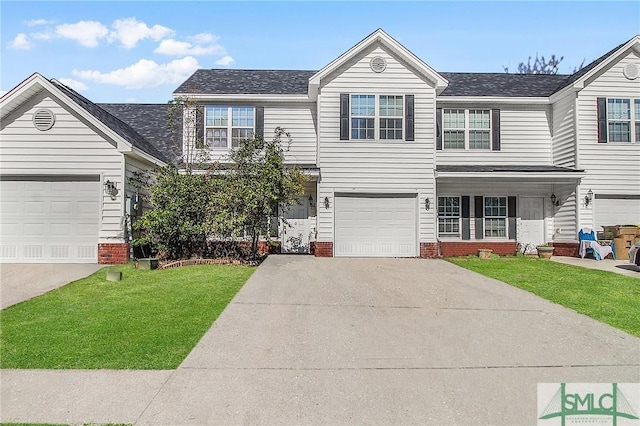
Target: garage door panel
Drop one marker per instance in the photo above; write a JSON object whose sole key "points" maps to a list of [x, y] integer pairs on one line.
{"points": [[618, 210], [385, 226], [55, 219]]}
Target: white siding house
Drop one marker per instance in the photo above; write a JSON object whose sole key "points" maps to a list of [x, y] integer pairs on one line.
{"points": [[402, 160]]}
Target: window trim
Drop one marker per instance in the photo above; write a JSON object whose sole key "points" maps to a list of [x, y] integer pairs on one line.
{"points": [[633, 121], [505, 218], [451, 235], [467, 129], [229, 127], [377, 116]]}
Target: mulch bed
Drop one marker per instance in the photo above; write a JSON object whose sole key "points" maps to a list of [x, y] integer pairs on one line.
{"points": [[223, 261]]}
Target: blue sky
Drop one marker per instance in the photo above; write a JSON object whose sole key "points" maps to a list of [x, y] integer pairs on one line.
{"points": [[141, 51]]}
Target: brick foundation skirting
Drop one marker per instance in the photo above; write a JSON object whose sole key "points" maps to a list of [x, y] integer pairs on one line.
{"points": [[323, 248], [429, 250], [466, 248], [113, 253], [566, 249]]}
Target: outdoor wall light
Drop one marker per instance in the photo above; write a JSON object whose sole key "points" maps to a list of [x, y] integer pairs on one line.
{"points": [[326, 203], [554, 200], [427, 203], [588, 199], [311, 202], [110, 189]]}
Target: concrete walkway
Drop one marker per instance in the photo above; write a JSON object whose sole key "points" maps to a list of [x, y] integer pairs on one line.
{"points": [[622, 267], [23, 281], [349, 341]]}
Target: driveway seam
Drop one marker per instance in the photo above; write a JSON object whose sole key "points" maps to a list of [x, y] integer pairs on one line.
{"points": [[388, 307], [488, 367]]}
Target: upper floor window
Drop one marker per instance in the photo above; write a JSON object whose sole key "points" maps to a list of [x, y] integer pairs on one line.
{"points": [[466, 129], [618, 120], [449, 216], [380, 115], [227, 126]]}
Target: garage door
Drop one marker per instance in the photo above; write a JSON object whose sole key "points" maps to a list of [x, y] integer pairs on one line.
{"points": [[375, 226], [616, 210], [49, 220]]}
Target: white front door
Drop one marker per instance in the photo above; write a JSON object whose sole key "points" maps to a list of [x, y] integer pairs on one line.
{"points": [[295, 230], [531, 229]]}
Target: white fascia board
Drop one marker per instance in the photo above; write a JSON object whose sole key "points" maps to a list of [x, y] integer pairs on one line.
{"points": [[494, 100], [564, 92], [13, 98], [138, 153], [388, 41], [311, 173], [243, 98], [560, 176]]}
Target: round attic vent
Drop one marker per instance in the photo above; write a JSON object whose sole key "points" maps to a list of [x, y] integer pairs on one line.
{"points": [[631, 71], [43, 119], [378, 64]]}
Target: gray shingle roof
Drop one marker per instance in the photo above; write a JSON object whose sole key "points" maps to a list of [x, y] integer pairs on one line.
{"points": [[154, 123], [501, 84], [505, 168], [114, 123], [254, 82]]}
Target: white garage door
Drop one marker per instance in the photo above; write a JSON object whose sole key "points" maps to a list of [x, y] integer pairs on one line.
{"points": [[49, 220], [375, 226], [616, 210]]}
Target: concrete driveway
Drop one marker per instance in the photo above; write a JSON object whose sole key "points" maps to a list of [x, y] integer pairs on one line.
{"points": [[349, 341], [23, 281]]}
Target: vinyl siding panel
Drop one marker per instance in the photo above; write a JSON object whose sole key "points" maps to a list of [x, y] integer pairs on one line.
{"points": [[377, 166], [612, 168], [299, 121], [564, 150], [70, 147], [525, 138]]}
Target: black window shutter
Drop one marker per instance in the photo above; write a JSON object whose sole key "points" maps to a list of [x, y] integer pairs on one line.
{"points": [[479, 215], [438, 128], [409, 118], [260, 122], [466, 213], [344, 116], [511, 212], [495, 130], [200, 142], [602, 120]]}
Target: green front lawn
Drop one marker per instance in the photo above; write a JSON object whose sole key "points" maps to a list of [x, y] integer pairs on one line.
{"points": [[150, 320], [605, 296]]}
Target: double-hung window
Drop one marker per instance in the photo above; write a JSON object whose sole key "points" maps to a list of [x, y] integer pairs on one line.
{"points": [[377, 117], [449, 216], [619, 120], [466, 129], [495, 217], [227, 126]]}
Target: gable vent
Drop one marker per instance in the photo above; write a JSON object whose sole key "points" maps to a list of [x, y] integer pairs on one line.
{"points": [[631, 71], [43, 119], [378, 64]]}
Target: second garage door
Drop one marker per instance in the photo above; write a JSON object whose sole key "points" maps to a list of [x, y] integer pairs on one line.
{"points": [[610, 210], [375, 226]]}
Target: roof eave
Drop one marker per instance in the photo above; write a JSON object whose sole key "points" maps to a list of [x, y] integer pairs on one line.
{"points": [[244, 97], [531, 100], [524, 175]]}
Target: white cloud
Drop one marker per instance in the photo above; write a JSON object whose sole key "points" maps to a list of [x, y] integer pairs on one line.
{"points": [[144, 74], [42, 35], [225, 61], [181, 48], [130, 31], [204, 38], [74, 84], [87, 33], [21, 42], [37, 22]]}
